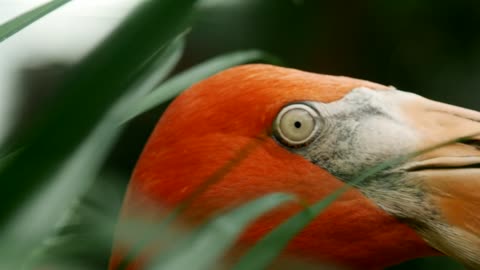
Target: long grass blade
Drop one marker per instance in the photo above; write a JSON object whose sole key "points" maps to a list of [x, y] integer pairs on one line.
{"points": [[51, 203], [217, 236], [182, 81], [83, 240], [268, 248], [87, 95], [18, 23]]}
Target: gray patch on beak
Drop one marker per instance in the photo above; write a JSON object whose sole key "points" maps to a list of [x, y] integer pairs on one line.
{"points": [[363, 129]]}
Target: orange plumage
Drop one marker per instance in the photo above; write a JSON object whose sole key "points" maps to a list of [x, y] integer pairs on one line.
{"points": [[212, 122]]}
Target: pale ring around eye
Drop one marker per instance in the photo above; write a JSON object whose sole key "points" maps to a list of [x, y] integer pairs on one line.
{"points": [[296, 125]]}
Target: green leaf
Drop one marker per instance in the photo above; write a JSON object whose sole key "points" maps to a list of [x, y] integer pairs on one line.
{"points": [[85, 237], [162, 67], [269, 247], [90, 91], [206, 246], [184, 80], [18, 23], [48, 205], [8, 157]]}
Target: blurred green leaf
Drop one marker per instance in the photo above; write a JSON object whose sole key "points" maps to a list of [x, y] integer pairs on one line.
{"points": [[49, 204], [161, 68], [205, 247], [84, 239], [268, 248], [87, 95], [184, 80], [13, 26], [8, 157]]}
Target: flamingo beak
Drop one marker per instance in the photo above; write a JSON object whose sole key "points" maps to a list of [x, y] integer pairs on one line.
{"points": [[437, 123], [449, 176]]}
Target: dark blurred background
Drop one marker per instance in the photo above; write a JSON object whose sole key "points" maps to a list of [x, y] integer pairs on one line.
{"points": [[428, 47]]}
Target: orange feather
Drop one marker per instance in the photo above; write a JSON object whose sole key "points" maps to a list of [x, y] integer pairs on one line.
{"points": [[209, 124]]}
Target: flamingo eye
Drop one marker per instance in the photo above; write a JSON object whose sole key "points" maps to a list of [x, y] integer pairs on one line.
{"points": [[296, 125]]}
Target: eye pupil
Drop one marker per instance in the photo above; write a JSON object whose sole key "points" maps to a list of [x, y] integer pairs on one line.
{"points": [[296, 125]]}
